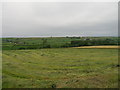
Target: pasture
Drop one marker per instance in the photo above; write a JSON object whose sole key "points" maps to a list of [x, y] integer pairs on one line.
{"points": [[60, 68]]}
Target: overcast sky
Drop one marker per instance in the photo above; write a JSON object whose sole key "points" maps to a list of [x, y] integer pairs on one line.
{"points": [[60, 19]]}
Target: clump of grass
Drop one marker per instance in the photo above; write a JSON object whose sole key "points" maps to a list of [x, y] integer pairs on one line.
{"points": [[53, 85]]}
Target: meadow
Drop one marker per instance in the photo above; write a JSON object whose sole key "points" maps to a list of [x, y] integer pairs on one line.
{"points": [[60, 68]]}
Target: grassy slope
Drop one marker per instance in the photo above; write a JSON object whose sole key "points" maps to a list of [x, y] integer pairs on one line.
{"points": [[61, 68]]}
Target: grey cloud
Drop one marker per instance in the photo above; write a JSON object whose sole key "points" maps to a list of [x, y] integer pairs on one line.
{"points": [[60, 19]]}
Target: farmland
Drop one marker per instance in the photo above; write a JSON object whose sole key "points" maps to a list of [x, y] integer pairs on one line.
{"points": [[60, 68], [99, 47], [56, 42]]}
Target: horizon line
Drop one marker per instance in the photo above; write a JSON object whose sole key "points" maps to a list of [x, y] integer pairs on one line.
{"points": [[50, 36]]}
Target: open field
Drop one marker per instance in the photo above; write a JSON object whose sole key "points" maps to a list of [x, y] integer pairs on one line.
{"points": [[98, 47], [56, 42], [60, 68]]}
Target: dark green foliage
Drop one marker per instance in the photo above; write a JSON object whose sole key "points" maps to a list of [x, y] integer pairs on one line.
{"points": [[94, 42]]}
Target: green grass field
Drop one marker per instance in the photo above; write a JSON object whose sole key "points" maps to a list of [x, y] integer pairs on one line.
{"points": [[55, 42], [60, 68]]}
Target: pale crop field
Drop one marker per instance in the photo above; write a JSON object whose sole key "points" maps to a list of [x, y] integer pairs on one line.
{"points": [[60, 68], [98, 47]]}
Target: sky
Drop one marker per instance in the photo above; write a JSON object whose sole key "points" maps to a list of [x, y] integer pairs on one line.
{"points": [[44, 19]]}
